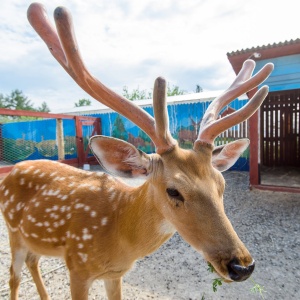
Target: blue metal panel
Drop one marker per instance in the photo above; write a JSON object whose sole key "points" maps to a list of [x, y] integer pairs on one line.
{"points": [[182, 118], [286, 74]]}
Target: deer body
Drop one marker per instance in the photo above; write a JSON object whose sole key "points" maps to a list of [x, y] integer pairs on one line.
{"points": [[93, 220], [97, 223]]}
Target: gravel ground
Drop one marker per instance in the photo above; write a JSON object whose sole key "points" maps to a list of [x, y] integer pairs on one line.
{"points": [[267, 222]]}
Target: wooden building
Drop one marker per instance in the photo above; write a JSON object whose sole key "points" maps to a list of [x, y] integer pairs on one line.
{"points": [[275, 129]]}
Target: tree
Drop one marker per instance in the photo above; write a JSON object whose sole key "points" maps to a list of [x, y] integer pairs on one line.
{"points": [[16, 100], [44, 107], [199, 89], [136, 94], [174, 90], [83, 102]]}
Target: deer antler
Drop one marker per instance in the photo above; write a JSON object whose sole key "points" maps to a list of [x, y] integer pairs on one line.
{"points": [[64, 48], [211, 126]]}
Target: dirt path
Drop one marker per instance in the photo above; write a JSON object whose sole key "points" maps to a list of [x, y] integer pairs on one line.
{"points": [[267, 222]]}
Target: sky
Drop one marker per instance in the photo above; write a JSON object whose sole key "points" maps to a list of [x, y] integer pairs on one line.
{"points": [[132, 42]]}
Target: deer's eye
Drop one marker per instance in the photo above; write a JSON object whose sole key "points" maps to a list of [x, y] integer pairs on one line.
{"points": [[174, 194]]}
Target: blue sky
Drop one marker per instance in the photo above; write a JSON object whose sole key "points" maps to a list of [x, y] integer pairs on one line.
{"points": [[131, 42]]}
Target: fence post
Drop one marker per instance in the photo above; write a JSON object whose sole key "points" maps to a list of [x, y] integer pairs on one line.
{"points": [[60, 139], [79, 141]]}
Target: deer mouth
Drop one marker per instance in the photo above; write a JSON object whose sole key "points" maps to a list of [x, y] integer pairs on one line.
{"points": [[235, 271]]}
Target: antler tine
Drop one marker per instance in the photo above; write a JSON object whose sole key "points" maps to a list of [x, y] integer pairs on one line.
{"points": [[161, 116], [211, 126], [65, 50], [37, 17]]}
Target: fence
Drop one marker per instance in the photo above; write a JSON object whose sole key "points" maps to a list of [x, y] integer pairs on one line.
{"points": [[26, 135], [280, 126], [184, 118]]}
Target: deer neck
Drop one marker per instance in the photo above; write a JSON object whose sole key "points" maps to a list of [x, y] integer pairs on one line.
{"points": [[142, 226]]}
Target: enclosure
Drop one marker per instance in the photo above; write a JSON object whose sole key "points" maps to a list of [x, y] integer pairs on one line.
{"points": [[26, 135]]}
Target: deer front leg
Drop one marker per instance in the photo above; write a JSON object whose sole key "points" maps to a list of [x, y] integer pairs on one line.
{"points": [[32, 262], [113, 288]]}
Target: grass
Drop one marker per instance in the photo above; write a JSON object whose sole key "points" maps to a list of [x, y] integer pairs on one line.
{"points": [[257, 288]]}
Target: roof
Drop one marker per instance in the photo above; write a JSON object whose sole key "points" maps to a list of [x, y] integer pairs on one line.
{"points": [[269, 51], [266, 47], [98, 107]]}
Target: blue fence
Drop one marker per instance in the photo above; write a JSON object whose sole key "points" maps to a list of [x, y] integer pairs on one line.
{"points": [[184, 119], [35, 139]]}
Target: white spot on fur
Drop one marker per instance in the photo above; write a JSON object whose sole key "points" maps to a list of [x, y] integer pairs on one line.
{"points": [[34, 235], [104, 221], [63, 209], [93, 214], [86, 235], [54, 216], [83, 256], [19, 206], [43, 186], [31, 219], [22, 181], [78, 205], [12, 198]]}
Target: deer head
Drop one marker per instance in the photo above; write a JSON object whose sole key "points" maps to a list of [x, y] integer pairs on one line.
{"points": [[184, 188]]}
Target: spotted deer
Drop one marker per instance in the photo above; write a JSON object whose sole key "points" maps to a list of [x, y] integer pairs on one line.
{"points": [[100, 225]]}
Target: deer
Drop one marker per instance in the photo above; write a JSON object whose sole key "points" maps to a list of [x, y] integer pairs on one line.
{"points": [[99, 224]]}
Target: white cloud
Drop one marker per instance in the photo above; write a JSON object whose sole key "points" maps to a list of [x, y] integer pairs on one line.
{"points": [[131, 42]]}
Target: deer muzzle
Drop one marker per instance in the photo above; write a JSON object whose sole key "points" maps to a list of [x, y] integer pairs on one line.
{"points": [[237, 272]]}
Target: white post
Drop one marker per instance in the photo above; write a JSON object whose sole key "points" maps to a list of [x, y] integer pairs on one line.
{"points": [[60, 139]]}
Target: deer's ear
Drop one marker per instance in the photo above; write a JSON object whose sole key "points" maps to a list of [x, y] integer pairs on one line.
{"points": [[225, 156], [119, 157]]}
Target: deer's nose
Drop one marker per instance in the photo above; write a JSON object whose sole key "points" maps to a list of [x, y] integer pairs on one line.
{"points": [[239, 273]]}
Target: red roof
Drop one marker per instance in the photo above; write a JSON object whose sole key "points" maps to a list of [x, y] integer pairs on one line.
{"points": [[269, 51]]}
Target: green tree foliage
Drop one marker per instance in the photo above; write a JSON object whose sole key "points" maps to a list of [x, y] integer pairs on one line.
{"points": [[44, 107], [136, 94], [83, 102], [175, 90], [16, 100]]}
